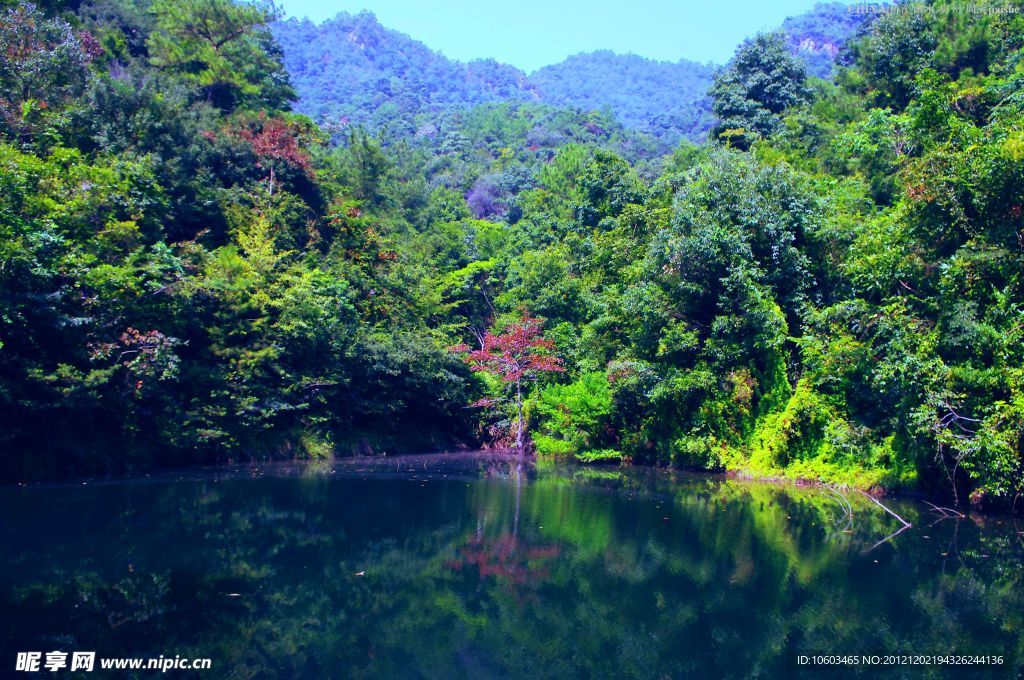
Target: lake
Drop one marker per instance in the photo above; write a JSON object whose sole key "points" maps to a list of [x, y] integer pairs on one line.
{"points": [[465, 565]]}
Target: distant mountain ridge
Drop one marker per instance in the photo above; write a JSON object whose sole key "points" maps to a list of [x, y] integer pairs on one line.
{"points": [[664, 99], [350, 66], [353, 70]]}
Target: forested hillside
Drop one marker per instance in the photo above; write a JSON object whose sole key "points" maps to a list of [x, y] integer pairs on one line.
{"points": [[187, 274], [665, 100], [829, 288], [350, 70]]}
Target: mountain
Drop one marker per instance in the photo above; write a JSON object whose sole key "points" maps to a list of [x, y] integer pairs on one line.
{"points": [[664, 99], [819, 35], [352, 70]]}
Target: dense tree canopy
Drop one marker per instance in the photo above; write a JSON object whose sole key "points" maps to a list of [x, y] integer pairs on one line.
{"points": [[223, 47], [829, 288], [755, 89]]}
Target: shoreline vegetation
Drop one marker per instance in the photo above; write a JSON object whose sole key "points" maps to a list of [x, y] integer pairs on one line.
{"points": [[829, 287]]}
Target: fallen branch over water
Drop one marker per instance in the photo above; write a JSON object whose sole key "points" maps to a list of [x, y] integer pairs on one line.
{"points": [[945, 512], [905, 523]]}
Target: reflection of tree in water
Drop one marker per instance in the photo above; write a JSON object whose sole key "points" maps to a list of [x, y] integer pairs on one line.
{"points": [[507, 558]]}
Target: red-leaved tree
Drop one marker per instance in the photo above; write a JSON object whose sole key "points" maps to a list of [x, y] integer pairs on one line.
{"points": [[277, 140], [517, 354]]}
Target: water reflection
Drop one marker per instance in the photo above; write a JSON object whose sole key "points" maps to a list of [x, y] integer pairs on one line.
{"points": [[517, 565], [482, 568]]}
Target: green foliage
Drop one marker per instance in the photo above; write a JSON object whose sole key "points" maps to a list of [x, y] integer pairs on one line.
{"points": [[900, 44], [43, 65], [599, 456], [175, 284], [223, 47], [833, 304], [190, 272], [750, 95], [574, 419]]}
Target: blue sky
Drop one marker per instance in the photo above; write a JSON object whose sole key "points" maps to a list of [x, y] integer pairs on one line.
{"points": [[534, 33]]}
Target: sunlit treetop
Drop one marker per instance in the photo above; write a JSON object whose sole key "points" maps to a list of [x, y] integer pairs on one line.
{"points": [[224, 47]]}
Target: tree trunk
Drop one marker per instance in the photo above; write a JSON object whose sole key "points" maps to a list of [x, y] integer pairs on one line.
{"points": [[519, 406]]}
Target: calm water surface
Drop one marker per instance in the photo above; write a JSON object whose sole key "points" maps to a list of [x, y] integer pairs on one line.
{"points": [[458, 566]]}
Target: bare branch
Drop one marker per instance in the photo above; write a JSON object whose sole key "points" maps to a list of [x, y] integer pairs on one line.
{"points": [[945, 512], [877, 502]]}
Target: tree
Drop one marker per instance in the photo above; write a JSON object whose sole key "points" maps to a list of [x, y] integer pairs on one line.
{"points": [[223, 47], [898, 45], [519, 353], [758, 85], [275, 140], [43, 64], [364, 167], [606, 186]]}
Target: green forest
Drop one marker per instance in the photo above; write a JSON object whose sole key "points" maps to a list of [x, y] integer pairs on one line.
{"points": [[828, 286]]}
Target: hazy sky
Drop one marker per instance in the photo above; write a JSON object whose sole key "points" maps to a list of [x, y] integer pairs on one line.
{"points": [[534, 33]]}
